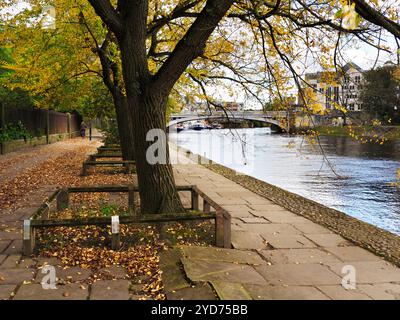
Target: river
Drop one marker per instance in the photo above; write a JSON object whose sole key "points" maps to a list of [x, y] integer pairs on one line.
{"points": [[358, 179]]}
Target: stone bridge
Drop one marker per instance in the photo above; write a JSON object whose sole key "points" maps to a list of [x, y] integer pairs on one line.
{"points": [[273, 117]]}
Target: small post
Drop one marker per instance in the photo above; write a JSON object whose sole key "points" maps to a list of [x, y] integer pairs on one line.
{"points": [[227, 230], [206, 206], [47, 126], [90, 131], [195, 200], [62, 199], [127, 167], [131, 200], [115, 235], [219, 229], [84, 169], [28, 238], [69, 125]]}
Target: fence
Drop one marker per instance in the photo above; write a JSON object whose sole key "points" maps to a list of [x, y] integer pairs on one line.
{"points": [[45, 125]]}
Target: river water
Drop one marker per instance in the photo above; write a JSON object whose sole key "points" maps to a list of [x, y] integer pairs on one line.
{"points": [[358, 179]]}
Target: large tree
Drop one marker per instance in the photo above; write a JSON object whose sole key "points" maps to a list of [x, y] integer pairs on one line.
{"points": [[380, 93], [139, 27], [185, 47]]}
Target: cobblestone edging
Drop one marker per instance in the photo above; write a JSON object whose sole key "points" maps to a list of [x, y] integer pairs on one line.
{"points": [[372, 238]]}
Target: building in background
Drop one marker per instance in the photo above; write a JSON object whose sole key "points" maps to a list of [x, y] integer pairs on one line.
{"points": [[332, 89]]}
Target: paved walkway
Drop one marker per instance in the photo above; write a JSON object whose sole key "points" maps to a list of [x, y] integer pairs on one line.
{"points": [[278, 254]]}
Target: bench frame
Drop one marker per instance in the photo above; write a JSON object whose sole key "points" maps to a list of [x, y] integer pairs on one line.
{"points": [[128, 164], [39, 219]]}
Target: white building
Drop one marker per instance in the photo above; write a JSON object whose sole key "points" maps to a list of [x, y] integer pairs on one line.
{"points": [[342, 88]]}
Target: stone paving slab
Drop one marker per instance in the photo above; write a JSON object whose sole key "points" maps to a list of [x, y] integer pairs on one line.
{"points": [[271, 228], [255, 220], [337, 292], [16, 276], [369, 272], [73, 274], [15, 247], [6, 291], [71, 291], [311, 227], [230, 291], [204, 270], [224, 255], [247, 240], [110, 290], [353, 254], [328, 240], [10, 235], [3, 245], [298, 274], [2, 258], [12, 261], [258, 292], [384, 291], [172, 276], [280, 217], [201, 291], [288, 241], [298, 256]]}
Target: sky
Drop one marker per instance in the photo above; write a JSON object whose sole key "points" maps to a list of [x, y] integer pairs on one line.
{"points": [[360, 53]]}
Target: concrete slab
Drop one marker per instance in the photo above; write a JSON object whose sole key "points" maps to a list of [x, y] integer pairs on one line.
{"points": [[201, 291], [328, 240], [203, 270], [382, 291], [66, 292], [6, 291], [223, 255], [15, 276], [369, 272], [247, 240], [110, 290], [297, 256], [284, 292], [337, 292], [311, 228], [230, 291], [284, 241], [353, 253], [298, 274]]}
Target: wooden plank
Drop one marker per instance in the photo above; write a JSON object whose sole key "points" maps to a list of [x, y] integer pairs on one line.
{"points": [[149, 218], [109, 163]]}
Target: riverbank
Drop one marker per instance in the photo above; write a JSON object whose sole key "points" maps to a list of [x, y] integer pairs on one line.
{"points": [[370, 237], [375, 134]]}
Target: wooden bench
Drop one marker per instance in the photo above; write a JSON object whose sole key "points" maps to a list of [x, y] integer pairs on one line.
{"points": [[128, 164], [93, 157], [103, 150], [39, 219]]}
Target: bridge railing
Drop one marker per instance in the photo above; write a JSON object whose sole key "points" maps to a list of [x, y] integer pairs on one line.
{"points": [[234, 114]]}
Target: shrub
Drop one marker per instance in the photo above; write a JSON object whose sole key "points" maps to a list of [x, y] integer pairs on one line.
{"points": [[111, 133], [14, 131]]}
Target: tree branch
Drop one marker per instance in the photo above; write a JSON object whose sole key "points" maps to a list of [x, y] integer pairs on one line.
{"points": [[375, 17], [108, 15], [192, 44]]}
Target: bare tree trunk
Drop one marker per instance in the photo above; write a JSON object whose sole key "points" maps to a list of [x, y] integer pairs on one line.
{"points": [[125, 127], [147, 108], [158, 193]]}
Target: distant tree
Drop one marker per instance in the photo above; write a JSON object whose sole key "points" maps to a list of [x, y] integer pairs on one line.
{"points": [[380, 93]]}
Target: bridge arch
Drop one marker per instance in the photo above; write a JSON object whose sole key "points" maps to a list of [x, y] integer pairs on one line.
{"points": [[266, 119]]}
